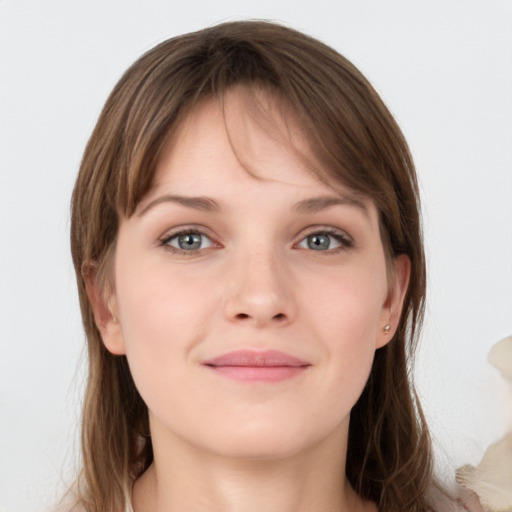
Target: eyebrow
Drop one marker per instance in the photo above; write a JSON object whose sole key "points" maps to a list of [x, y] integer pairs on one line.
{"points": [[204, 204], [317, 204], [207, 204]]}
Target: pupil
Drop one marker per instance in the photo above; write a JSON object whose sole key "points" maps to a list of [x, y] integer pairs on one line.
{"points": [[190, 241], [318, 242]]}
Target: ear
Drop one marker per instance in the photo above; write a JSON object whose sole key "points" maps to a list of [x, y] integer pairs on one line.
{"points": [[392, 308], [104, 306]]}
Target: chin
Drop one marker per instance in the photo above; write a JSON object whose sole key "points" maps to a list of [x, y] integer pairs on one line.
{"points": [[265, 441]]}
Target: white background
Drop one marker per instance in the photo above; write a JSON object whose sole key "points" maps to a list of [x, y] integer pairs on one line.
{"points": [[445, 71]]}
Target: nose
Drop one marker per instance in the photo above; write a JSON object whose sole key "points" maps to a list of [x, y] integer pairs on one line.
{"points": [[259, 291]]}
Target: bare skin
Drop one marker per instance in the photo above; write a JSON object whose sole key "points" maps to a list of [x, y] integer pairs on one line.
{"points": [[199, 485], [280, 262]]}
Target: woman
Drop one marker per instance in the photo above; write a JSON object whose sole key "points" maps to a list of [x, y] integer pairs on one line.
{"points": [[247, 241]]}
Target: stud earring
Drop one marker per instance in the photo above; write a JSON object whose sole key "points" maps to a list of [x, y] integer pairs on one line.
{"points": [[387, 328]]}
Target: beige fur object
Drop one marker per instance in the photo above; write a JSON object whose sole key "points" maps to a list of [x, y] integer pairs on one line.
{"points": [[492, 478]]}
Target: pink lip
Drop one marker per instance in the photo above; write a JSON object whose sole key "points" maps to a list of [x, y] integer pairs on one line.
{"points": [[247, 365]]}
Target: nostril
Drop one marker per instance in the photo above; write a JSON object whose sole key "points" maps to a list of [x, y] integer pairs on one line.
{"points": [[245, 316]]}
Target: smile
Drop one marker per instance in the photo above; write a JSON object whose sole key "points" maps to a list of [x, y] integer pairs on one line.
{"points": [[251, 366]]}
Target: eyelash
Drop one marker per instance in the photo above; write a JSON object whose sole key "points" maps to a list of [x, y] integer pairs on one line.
{"points": [[343, 239], [164, 241]]}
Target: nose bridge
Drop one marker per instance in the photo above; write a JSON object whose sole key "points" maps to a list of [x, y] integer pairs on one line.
{"points": [[260, 288]]}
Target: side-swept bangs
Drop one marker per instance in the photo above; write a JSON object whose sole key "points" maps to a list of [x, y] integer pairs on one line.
{"points": [[350, 131], [353, 140]]}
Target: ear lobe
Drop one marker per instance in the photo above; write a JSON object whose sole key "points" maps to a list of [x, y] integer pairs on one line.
{"points": [[393, 305], [104, 307]]}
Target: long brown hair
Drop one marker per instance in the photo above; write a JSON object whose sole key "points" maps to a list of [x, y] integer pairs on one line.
{"points": [[358, 143]]}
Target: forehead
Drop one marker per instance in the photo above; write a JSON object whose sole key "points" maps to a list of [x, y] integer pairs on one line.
{"points": [[249, 134], [221, 159]]}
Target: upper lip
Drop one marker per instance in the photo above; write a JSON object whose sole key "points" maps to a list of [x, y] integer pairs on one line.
{"points": [[267, 358]]}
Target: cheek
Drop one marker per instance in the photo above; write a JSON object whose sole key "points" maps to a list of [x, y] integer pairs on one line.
{"points": [[346, 311], [348, 303], [156, 300], [163, 316]]}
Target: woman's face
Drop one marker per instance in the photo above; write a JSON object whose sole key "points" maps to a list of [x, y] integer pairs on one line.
{"points": [[249, 305]]}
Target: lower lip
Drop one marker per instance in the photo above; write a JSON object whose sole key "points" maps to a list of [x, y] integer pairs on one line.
{"points": [[259, 373]]}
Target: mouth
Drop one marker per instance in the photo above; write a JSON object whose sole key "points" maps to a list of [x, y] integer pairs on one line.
{"points": [[251, 366]]}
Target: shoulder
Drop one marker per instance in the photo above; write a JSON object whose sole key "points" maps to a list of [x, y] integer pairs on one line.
{"points": [[67, 504], [460, 500], [469, 501]]}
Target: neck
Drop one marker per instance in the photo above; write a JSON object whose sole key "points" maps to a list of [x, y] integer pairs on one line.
{"points": [[184, 477]]}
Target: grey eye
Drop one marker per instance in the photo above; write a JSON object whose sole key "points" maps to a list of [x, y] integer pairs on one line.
{"points": [[191, 241], [322, 241], [319, 242]]}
